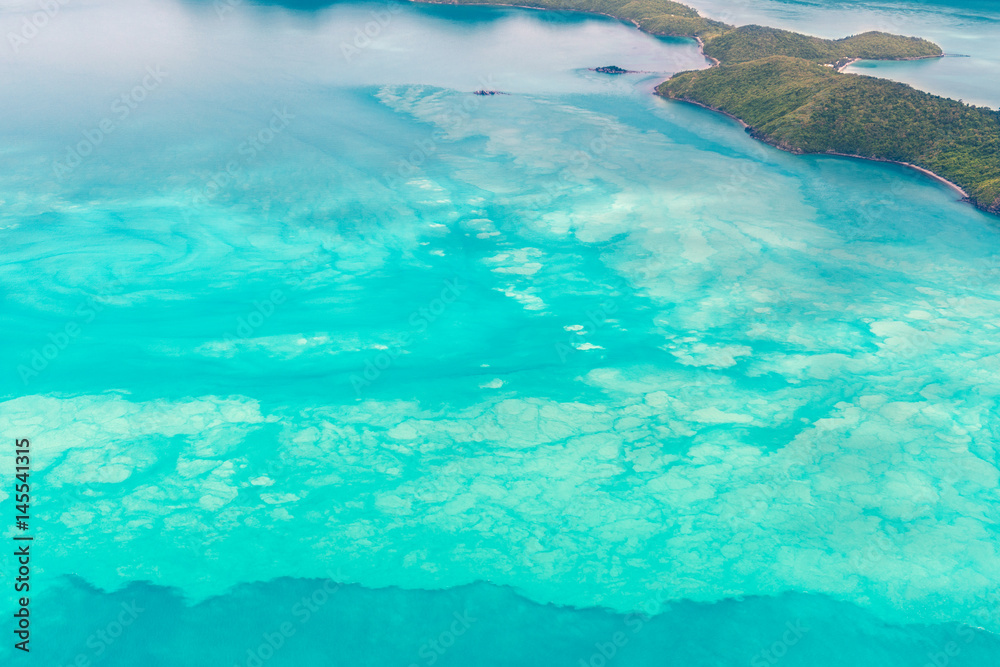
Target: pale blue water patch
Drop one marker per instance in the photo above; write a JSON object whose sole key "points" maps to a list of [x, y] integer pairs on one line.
{"points": [[966, 29], [299, 315], [952, 80]]}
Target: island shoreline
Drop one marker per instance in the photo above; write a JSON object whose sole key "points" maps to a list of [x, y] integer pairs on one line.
{"points": [[765, 140], [938, 177], [541, 9], [714, 62], [890, 60]]}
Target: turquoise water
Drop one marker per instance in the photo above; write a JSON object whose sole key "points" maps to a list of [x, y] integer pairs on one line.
{"points": [[314, 342]]}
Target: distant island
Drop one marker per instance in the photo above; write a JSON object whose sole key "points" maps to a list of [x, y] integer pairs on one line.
{"points": [[788, 90], [613, 69]]}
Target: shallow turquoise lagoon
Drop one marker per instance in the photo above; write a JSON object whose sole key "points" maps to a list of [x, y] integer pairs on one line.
{"points": [[326, 360]]}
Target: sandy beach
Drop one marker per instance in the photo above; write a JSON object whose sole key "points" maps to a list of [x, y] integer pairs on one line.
{"points": [[937, 177]]}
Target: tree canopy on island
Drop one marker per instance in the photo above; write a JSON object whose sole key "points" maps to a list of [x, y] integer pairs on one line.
{"points": [[804, 107], [783, 86], [751, 42]]}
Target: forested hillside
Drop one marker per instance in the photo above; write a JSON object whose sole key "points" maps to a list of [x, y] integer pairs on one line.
{"points": [[780, 84], [751, 42], [805, 107]]}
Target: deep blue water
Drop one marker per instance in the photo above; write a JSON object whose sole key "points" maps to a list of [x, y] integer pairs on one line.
{"points": [[290, 312], [315, 622]]}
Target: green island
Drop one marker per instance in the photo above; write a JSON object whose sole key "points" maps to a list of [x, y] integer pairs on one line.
{"points": [[612, 69], [789, 91]]}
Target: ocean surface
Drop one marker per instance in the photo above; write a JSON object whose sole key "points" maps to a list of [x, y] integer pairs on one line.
{"points": [[325, 360]]}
